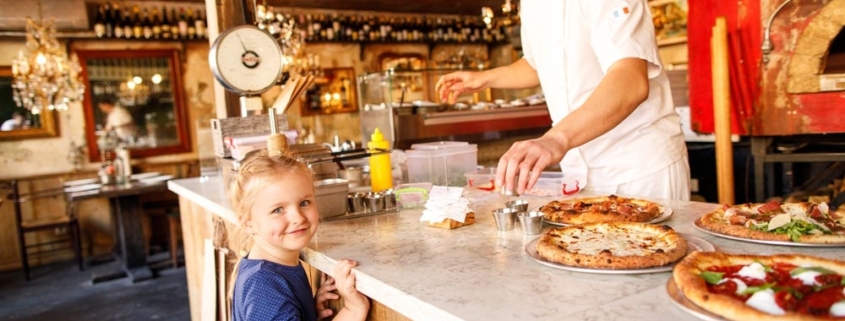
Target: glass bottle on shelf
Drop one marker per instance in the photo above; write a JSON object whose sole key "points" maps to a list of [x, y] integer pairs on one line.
{"points": [[118, 21], [137, 25], [127, 23], [199, 25], [156, 24], [174, 24], [183, 24], [99, 22], [108, 16], [192, 29], [147, 25], [166, 25]]}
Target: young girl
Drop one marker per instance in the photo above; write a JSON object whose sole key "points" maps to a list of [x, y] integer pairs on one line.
{"points": [[273, 197]]}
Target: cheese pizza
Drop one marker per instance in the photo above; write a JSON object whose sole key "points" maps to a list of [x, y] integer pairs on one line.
{"points": [[617, 245], [600, 209]]}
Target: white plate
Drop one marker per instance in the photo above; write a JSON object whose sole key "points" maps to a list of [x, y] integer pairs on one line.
{"points": [[157, 179], [80, 188], [141, 176], [81, 182], [664, 215], [768, 242], [695, 244], [681, 301]]}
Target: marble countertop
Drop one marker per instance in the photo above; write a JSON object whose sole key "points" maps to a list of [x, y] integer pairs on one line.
{"points": [[478, 273]]}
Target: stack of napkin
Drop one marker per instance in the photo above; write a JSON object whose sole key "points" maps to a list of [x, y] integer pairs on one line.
{"points": [[447, 208]]}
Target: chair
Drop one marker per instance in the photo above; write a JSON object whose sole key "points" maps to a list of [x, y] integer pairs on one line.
{"points": [[23, 227], [165, 204]]}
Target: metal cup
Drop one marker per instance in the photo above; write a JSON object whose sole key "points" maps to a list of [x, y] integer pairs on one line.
{"points": [[519, 205], [532, 222], [375, 202], [389, 199], [357, 202], [505, 218]]}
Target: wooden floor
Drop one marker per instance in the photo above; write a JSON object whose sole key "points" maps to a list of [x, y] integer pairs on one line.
{"points": [[62, 292]]}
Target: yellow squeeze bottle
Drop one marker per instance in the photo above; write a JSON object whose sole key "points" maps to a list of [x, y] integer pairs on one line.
{"points": [[380, 176]]}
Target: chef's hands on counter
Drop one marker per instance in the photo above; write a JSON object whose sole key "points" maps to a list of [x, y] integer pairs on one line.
{"points": [[355, 304], [607, 106]]}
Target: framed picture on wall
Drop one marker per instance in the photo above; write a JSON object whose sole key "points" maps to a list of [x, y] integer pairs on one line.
{"points": [[16, 122]]}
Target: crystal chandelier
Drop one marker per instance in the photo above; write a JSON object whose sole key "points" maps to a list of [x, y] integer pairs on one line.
{"points": [[43, 78], [291, 38]]}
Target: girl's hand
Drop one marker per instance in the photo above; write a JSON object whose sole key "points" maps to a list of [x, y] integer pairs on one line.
{"points": [[324, 294], [354, 301]]}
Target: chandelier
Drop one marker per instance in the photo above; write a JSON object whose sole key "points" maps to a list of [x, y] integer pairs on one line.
{"points": [[43, 78], [291, 38], [508, 19]]}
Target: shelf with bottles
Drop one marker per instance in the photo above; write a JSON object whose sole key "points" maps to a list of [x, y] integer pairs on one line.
{"points": [[113, 20]]}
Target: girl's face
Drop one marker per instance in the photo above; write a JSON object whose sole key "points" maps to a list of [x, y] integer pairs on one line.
{"points": [[284, 216]]}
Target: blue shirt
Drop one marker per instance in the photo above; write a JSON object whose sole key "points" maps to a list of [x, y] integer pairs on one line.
{"points": [[269, 291]]}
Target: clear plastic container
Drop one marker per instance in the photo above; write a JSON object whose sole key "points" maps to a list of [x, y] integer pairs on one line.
{"points": [[441, 163], [549, 184], [412, 195]]}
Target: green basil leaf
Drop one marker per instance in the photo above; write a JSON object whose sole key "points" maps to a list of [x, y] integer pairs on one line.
{"points": [[803, 269], [765, 267], [712, 277], [755, 289]]}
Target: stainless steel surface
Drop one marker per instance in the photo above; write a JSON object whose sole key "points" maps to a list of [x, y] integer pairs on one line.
{"points": [[731, 237], [695, 244], [505, 218], [531, 222], [330, 195]]}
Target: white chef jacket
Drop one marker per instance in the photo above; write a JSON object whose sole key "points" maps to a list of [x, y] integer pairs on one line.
{"points": [[571, 44], [122, 123]]}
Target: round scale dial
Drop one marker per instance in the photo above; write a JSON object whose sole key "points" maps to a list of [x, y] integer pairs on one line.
{"points": [[246, 60]]}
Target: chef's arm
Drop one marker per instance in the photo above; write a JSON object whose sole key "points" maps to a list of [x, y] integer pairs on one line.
{"points": [[623, 88], [517, 75]]}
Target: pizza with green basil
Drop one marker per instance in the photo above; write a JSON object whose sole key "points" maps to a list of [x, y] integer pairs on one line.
{"points": [[774, 221], [754, 287]]}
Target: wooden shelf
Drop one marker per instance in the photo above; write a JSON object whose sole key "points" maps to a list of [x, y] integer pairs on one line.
{"points": [[671, 41]]}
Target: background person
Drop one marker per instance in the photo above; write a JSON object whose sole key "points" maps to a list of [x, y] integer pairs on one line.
{"points": [[119, 120], [615, 130], [16, 122], [273, 197]]}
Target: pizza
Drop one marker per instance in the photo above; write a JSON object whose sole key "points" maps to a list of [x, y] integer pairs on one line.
{"points": [[619, 245], [753, 287], [803, 222], [601, 209]]}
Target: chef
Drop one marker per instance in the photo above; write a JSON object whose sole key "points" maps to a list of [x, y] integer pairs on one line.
{"points": [[615, 130]]}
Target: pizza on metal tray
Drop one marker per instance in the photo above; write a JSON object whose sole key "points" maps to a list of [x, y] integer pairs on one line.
{"points": [[601, 209], [754, 287], [619, 245]]}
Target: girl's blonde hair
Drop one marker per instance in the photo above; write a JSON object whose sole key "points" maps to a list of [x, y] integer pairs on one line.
{"points": [[258, 169]]}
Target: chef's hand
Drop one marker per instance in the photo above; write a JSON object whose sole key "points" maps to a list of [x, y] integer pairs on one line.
{"points": [[356, 303], [324, 294], [520, 167], [450, 86]]}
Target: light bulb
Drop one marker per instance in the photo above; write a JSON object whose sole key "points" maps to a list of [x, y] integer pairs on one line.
{"points": [[156, 79], [40, 59], [137, 80]]}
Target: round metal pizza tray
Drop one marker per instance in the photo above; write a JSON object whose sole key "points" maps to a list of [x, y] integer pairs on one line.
{"points": [[681, 301], [665, 215], [768, 242], [695, 244]]}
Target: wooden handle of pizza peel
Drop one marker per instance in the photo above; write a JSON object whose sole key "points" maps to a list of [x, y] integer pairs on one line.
{"points": [[722, 112]]}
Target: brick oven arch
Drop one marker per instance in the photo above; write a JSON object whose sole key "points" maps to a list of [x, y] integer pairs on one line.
{"points": [[810, 53]]}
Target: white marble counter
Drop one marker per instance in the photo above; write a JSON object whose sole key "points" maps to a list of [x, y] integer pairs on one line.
{"points": [[477, 273]]}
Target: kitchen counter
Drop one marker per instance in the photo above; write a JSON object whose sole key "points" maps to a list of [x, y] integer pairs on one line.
{"points": [[477, 273]]}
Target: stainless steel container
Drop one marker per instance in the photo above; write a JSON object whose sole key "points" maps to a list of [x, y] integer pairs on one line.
{"points": [[331, 195]]}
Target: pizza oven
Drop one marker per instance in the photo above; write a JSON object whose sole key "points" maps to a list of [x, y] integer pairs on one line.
{"points": [[796, 88]]}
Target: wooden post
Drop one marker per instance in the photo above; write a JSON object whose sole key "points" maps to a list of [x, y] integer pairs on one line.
{"points": [[722, 112]]}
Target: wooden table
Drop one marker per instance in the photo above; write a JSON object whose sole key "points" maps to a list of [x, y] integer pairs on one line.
{"points": [[126, 210]]}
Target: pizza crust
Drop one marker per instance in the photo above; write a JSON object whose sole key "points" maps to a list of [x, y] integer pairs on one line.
{"points": [[715, 221], [612, 245], [686, 276], [594, 210]]}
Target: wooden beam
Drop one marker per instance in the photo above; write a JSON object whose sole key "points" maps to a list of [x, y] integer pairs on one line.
{"points": [[722, 112]]}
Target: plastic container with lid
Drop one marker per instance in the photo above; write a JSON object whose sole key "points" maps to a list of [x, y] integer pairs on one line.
{"points": [[549, 183], [441, 163]]}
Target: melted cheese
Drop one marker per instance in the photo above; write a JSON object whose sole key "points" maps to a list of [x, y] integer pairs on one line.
{"points": [[808, 277], [838, 309], [765, 301], [779, 220], [620, 242], [754, 270]]}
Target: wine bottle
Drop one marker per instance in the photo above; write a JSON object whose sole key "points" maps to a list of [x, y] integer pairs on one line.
{"points": [[156, 24], [192, 28], [137, 25], [117, 17], [99, 22], [183, 24], [147, 25], [127, 23], [108, 20], [174, 24], [166, 24], [199, 25]]}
